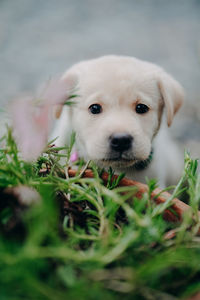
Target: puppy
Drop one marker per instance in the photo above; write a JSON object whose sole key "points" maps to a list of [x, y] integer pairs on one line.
{"points": [[117, 117]]}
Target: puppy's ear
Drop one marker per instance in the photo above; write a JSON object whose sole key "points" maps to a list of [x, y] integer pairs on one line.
{"points": [[71, 81], [172, 94]]}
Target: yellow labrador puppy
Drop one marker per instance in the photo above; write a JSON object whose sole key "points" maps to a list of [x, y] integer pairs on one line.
{"points": [[117, 117]]}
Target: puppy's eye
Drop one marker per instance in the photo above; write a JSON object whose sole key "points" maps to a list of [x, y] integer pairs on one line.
{"points": [[141, 108], [95, 109]]}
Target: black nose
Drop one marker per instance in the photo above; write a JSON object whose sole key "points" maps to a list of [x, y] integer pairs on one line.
{"points": [[120, 142]]}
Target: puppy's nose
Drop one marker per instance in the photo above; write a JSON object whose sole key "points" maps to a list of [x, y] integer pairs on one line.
{"points": [[120, 142]]}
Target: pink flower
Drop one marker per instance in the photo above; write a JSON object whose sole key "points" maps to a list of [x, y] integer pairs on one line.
{"points": [[30, 127], [57, 91], [31, 120], [74, 156]]}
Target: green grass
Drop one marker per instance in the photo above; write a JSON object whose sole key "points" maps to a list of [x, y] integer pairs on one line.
{"points": [[83, 240]]}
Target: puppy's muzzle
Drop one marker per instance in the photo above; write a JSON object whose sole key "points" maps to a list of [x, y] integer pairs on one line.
{"points": [[120, 142]]}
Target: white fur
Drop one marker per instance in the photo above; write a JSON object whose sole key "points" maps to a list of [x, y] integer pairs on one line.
{"points": [[118, 84]]}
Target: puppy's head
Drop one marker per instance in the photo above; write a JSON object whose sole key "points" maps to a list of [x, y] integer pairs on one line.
{"points": [[120, 108]]}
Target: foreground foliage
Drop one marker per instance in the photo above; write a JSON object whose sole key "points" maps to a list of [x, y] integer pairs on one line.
{"points": [[74, 238]]}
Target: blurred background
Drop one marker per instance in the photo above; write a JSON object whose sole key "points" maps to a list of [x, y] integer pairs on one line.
{"points": [[42, 38]]}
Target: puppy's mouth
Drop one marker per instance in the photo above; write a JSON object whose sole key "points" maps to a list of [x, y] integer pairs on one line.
{"points": [[119, 160], [127, 159]]}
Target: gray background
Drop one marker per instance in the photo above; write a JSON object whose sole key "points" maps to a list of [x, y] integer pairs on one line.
{"points": [[41, 38]]}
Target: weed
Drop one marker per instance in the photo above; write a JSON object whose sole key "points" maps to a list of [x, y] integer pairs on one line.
{"points": [[78, 239]]}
